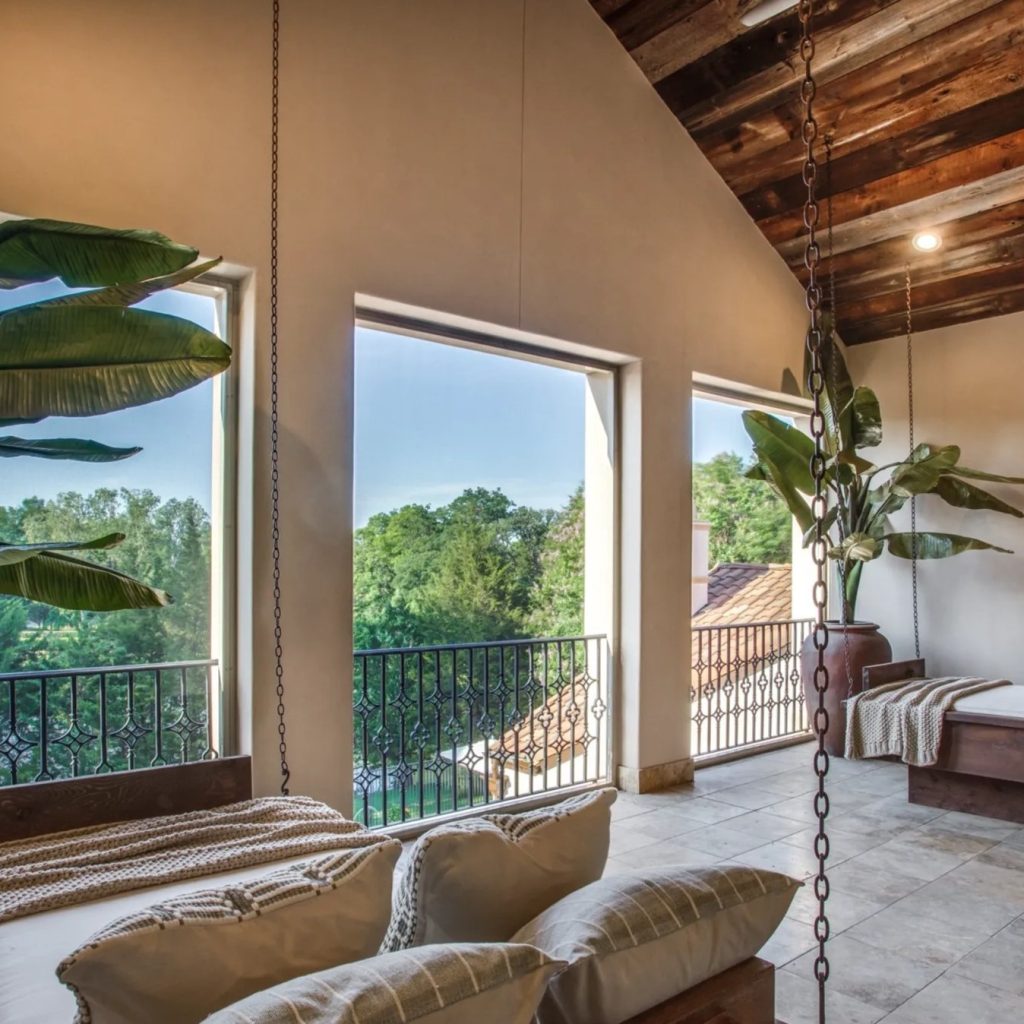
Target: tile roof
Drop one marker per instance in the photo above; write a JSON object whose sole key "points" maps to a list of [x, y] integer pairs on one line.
{"points": [[740, 594]]}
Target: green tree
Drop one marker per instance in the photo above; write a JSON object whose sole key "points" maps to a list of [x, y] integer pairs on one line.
{"points": [[558, 597], [749, 523]]}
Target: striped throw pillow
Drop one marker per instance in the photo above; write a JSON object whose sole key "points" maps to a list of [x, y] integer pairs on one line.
{"points": [[633, 941], [190, 955], [453, 984], [481, 879]]}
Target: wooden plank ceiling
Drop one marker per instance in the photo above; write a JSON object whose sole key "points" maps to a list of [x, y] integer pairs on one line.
{"points": [[924, 100]]}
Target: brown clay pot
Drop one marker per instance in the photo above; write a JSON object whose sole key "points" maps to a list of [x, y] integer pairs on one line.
{"points": [[849, 649]]}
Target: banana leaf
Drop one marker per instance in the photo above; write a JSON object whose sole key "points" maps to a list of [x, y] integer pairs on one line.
{"points": [[80, 361], [962, 494], [827, 523], [837, 397], [794, 500], [977, 474], [11, 553], [783, 450], [924, 470], [937, 545], [866, 415], [63, 448], [83, 255], [858, 547], [67, 582], [130, 294]]}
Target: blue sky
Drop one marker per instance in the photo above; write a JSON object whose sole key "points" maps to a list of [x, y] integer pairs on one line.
{"points": [[431, 420]]}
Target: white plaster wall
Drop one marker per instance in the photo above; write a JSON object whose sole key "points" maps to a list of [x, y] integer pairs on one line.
{"points": [[412, 170], [967, 392]]}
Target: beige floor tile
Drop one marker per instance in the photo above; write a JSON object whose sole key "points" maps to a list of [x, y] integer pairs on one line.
{"points": [[844, 909], [998, 962], [953, 999], [796, 1002], [877, 977], [792, 939], [790, 860], [859, 879], [901, 930], [967, 903]]}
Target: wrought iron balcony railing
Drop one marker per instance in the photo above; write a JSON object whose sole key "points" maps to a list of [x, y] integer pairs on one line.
{"points": [[745, 684], [445, 729], [62, 723]]}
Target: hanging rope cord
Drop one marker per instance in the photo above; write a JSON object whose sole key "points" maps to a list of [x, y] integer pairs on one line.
{"points": [[275, 474], [819, 546], [910, 431]]}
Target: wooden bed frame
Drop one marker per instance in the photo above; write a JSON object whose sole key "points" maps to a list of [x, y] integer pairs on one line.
{"points": [[745, 994], [981, 761]]}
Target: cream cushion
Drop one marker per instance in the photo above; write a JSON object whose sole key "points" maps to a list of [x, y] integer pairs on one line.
{"points": [[633, 941], [456, 984], [481, 879], [177, 961]]}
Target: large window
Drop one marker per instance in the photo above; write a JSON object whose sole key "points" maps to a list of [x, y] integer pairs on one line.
{"points": [[173, 501], [479, 472]]}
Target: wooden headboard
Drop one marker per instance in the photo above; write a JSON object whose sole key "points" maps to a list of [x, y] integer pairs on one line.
{"points": [[893, 672], [38, 808]]}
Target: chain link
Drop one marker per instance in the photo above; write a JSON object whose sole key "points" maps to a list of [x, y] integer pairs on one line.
{"points": [[275, 474], [910, 431], [819, 546]]}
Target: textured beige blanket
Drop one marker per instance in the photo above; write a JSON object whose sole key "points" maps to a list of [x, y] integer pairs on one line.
{"points": [[85, 864], [905, 719]]}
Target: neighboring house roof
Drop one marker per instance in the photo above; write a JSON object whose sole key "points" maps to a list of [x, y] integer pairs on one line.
{"points": [[740, 594]]}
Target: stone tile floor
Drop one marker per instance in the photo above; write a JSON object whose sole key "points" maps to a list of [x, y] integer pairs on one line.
{"points": [[927, 907]]}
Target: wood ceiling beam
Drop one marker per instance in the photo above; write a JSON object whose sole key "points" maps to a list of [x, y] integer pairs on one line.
{"points": [[710, 26], [877, 262], [919, 105], [930, 212], [839, 52], [942, 175], [997, 302], [757, 50], [946, 265], [635, 22]]}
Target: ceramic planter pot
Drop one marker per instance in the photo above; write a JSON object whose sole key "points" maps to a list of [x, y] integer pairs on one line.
{"points": [[850, 648]]}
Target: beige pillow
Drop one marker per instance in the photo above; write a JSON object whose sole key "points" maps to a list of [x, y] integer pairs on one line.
{"points": [[633, 941], [177, 961], [457, 984], [481, 879]]}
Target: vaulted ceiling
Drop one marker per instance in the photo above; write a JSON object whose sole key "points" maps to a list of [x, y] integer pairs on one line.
{"points": [[925, 102]]}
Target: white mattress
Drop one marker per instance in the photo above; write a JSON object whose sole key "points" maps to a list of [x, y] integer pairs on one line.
{"points": [[31, 947], [1003, 700]]}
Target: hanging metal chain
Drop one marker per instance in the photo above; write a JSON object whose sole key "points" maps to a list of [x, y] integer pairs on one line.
{"points": [[819, 546], [275, 474], [910, 430]]}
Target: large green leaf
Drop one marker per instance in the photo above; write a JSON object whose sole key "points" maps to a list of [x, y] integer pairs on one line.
{"points": [[792, 498], [67, 582], [11, 553], [837, 397], [130, 294], [866, 418], [63, 448], [858, 547], [977, 474], [784, 451], [80, 361], [937, 545], [962, 494], [83, 255], [923, 470]]}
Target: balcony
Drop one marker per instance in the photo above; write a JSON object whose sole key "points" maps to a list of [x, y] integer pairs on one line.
{"points": [[440, 730], [62, 723]]}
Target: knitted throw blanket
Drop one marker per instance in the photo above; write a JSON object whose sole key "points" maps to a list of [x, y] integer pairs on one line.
{"points": [[905, 719], [66, 868]]}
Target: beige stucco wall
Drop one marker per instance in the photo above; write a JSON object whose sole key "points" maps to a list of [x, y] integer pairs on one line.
{"points": [[417, 165], [967, 392]]}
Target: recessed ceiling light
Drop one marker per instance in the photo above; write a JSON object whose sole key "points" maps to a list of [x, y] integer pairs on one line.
{"points": [[765, 12], [927, 241]]}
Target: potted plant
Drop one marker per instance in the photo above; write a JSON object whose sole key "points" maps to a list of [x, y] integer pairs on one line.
{"points": [[84, 354], [861, 496]]}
